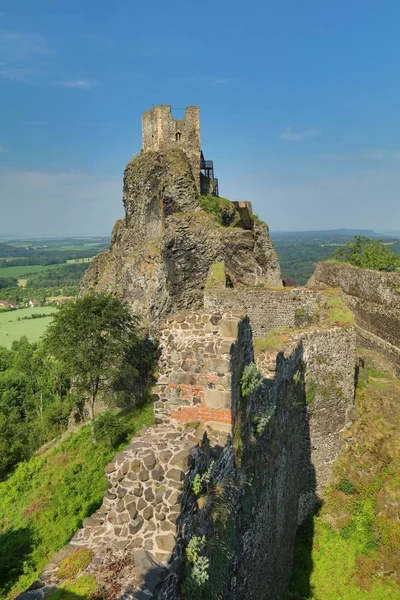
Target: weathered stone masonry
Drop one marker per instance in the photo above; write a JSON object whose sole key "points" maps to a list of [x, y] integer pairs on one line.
{"points": [[374, 298], [267, 309], [197, 378]]}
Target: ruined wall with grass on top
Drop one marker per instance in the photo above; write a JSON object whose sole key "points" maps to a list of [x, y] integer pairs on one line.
{"points": [[206, 503], [244, 500], [374, 298], [329, 364], [267, 309], [240, 507]]}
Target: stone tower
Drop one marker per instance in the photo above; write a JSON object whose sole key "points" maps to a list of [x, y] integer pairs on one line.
{"points": [[161, 131]]}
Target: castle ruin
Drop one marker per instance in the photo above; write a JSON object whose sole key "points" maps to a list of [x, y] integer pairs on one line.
{"points": [[212, 293], [160, 131]]}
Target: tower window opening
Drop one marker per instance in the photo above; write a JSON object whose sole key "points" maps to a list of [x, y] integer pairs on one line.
{"points": [[177, 136]]}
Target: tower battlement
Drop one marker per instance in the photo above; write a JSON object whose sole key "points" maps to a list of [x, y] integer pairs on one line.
{"points": [[161, 131]]}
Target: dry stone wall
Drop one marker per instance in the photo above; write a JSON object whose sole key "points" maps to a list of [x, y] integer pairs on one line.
{"points": [[141, 505], [136, 523], [307, 401], [329, 363], [329, 357]]}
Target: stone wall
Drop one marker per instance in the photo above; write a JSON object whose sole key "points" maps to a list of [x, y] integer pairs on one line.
{"points": [[271, 475], [373, 296], [201, 356], [133, 533], [329, 357], [267, 309], [259, 476]]}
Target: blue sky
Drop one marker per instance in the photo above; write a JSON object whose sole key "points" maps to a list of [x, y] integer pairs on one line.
{"points": [[299, 106]]}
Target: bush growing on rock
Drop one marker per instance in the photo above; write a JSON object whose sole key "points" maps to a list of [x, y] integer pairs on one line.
{"points": [[251, 380]]}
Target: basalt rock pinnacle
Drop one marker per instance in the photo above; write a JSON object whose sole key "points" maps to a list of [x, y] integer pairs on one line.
{"points": [[161, 252]]}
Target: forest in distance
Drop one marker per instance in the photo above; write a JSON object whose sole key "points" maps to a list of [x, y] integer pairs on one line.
{"points": [[299, 251]]}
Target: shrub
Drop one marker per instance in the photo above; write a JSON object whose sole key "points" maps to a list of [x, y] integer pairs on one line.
{"points": [[250, 381], [311, 391], [198, 480], [200, 571], [262, 421], [296, 377], [110, 429], [195, 546], [200, 564]]}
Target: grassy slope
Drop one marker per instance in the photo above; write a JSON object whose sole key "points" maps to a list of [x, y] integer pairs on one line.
{"points": [[11, 329], [350, 550], [45, 500]]}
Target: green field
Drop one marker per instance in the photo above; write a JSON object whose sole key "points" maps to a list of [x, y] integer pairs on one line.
{"points": [[11, 329], [26, 270]]}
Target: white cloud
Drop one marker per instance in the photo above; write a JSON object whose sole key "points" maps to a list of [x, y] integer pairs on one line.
{"points": [[17, 47], [43, 203], [21, 75], [22, 56], [298, 136], [381, 155], [27, 58], [81, 84]]}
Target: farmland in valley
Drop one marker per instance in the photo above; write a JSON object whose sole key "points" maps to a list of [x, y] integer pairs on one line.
{"points": [[13, 325]]}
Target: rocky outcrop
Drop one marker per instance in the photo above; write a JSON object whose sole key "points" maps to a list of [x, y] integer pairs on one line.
{"points": [[161, 252]]}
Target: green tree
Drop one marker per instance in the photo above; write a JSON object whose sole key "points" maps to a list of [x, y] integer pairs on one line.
{"points": [[91, 336], [368, 254]]}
